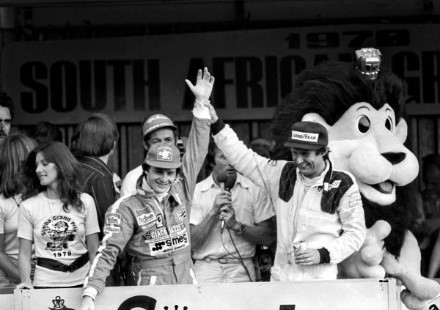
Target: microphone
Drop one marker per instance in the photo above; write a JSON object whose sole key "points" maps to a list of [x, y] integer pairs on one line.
{"points": [[226, 181]]}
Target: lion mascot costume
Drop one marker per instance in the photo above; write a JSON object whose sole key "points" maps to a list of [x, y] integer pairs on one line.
{"points": [[362, 108]]}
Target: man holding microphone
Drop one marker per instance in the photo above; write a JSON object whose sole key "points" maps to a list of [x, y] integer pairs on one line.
{"points": [[230, 215]]}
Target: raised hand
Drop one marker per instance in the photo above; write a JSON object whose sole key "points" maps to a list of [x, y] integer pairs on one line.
{"points": [[203, 88]]}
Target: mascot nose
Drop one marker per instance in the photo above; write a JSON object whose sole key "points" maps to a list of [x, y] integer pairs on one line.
{"points": [[394, 158]]}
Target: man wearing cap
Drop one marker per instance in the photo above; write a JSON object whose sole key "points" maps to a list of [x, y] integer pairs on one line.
{"points": [[320, 220], [153, 224], [157, 128]]}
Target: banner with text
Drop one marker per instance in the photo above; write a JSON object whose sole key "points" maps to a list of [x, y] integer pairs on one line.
{"points": [[62, 81], [358, 294]]}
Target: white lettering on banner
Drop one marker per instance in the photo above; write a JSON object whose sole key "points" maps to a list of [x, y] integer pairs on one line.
{"points": [[63, 80], [305, 136], [357, 294]]}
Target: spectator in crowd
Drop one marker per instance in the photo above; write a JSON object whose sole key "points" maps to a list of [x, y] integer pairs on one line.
{"points": [[57, 218], [320, 219], [153, 224], [6, 114], [14, 150], [261, 146], [93, 142], [222, 256], [428, 229], [46, 132]]}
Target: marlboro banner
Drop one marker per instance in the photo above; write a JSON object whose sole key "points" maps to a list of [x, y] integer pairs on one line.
{"points": [[128, 78]]}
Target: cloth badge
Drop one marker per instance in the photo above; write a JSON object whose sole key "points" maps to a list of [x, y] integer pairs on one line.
{"points": [[113, 219], [305, 136], [112, 229], [145, 219], [164, 154], [159, 220], [181, 214], [355, 200]]}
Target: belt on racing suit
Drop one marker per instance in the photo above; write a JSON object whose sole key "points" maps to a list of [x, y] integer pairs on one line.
{"points": [[58, 266], [175, 259], [225, 260]]}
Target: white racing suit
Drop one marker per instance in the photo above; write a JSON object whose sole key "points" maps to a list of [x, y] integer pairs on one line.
{"points": [[330, 215], [156, 234]]}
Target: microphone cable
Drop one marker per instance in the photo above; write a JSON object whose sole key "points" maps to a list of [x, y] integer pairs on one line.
{"points": [[238, 252]]}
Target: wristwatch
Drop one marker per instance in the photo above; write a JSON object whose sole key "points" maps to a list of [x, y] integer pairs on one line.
{"points": [[241, 230]]}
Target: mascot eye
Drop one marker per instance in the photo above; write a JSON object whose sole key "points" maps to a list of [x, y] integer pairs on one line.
{"points": [[389, 123], [363, 124]]}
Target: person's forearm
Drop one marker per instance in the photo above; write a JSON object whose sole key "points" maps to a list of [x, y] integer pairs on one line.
{"points": [[200, 232], [24, 267], [92, 242], [258, 234], [9, 268]]}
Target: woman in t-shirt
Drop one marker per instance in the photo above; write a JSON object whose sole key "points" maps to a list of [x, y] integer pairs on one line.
{"points": [[59, 219], [14, 150]]}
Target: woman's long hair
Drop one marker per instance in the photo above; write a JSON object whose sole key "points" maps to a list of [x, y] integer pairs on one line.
{"points": [[67, 166], [14, 150]]}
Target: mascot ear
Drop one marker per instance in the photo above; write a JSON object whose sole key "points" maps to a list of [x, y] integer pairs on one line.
{"points": [[401, 130], [315, 117]]}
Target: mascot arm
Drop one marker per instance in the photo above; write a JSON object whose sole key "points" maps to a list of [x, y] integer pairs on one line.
{"points": [[365, 263], [258, 169], [351, 215], [419, 290]]}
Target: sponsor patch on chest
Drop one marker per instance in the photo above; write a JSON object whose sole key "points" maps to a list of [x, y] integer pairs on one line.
{"points": [[145, 219], [171, 244], [181, 214], [335, 184]]}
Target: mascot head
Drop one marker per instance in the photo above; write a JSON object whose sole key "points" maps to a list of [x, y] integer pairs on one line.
{"points": [[363, 114]]}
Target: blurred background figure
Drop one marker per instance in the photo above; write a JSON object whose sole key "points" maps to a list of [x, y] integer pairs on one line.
{"points": [[6, 114], [14, 150], [261, 146], [93, 142], [46, 132], [428, 229], [264, 254]]}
